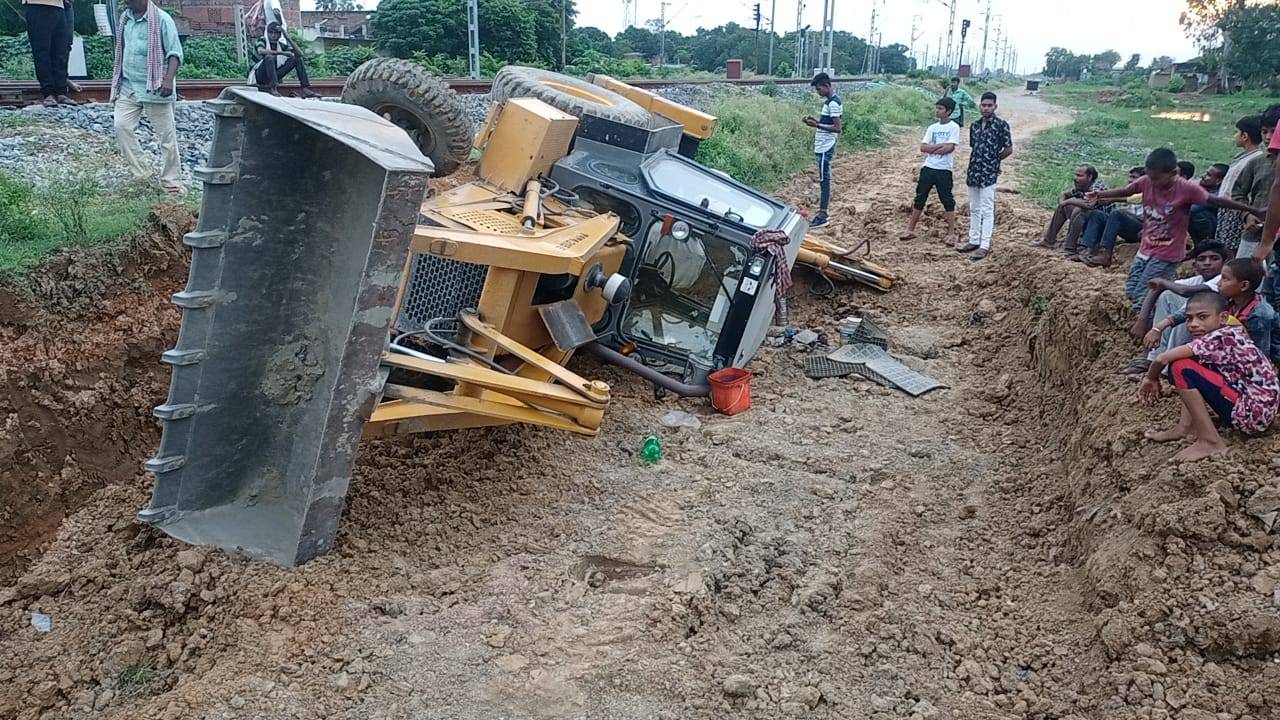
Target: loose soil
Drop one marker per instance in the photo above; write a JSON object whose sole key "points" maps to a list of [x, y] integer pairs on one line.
{"points": [[1005, 548]]}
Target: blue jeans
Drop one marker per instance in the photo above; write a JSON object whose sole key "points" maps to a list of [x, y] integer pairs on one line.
{"points": [[1142, 271], [824, 177], [1102, 229]]}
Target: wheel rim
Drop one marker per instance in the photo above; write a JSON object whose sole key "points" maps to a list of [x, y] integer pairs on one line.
{"points": [[411, 124], [578, 92]]}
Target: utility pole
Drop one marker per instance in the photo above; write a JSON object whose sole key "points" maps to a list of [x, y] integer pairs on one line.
{"points": [[798, 71], [986, 26], [564, 29], [773, 13], [916, 32], [951, 30], [828, 35], [473, 38], [871, 38], [662, 28]]}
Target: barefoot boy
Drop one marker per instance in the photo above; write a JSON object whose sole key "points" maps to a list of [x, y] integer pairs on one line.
{"points": [[939, 147], [1219, 370]]}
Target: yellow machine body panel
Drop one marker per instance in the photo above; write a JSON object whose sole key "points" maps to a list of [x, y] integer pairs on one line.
{"points": [[524, 137]]}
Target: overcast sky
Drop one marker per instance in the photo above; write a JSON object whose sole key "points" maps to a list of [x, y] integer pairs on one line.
{"points": [[1149, 27]]}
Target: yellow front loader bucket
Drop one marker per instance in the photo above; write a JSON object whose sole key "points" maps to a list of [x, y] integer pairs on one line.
{"points": [[307, 216]]}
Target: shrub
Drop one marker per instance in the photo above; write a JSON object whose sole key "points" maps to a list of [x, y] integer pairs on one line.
{"points": [[770, 88], [18, 219], [99, 56], [211, 57], [341, 60], [1177, 84]]}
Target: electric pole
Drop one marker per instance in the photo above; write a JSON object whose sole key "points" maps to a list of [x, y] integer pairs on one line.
{"points": [[951, 30], [662, 27], [773, 13], [564, 29], [871, 38], [986, 26], [473, 38], [800, 33], [827, 41], [915, 35]]}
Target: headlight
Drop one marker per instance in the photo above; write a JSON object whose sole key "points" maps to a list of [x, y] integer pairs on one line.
{"points": [[680, 230]]}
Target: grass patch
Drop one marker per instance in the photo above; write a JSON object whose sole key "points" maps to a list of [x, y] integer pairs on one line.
{"points": [[1115, 128], [760, 140], [136, 680], [72, 212]]}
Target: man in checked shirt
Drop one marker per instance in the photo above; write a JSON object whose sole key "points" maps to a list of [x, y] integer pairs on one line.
{"points": [[991, 142]]}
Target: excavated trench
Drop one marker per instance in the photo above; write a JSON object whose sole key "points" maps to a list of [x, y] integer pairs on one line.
{"points": [[1006, 548]]}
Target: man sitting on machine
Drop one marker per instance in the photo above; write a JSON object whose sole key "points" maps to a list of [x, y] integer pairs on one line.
{"points": [[279, 58]]}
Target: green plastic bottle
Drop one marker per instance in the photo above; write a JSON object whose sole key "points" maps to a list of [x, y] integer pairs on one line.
{"points": [[652, 450]]}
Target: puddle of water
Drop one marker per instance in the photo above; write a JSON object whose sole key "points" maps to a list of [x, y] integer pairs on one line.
{"points": [[1184, 115]]}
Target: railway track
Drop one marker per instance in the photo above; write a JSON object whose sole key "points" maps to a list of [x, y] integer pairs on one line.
{"points": [[19, 93]]}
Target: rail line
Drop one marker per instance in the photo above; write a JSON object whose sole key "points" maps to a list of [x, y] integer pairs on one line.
{"points": [[19, 93]]}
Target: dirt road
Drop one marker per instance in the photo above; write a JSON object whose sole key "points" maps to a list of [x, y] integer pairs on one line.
{"points": [[1003, 548]]}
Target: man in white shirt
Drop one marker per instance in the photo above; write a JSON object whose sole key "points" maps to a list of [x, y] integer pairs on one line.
{"points": [[939, 147], [826, 131]]}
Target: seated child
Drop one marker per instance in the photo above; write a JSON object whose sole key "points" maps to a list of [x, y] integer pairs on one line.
{"points": [[1166, 206], [1219, 370], [1166, 298], [1238, 285]]}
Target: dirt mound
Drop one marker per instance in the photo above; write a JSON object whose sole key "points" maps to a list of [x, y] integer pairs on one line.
{"points": [[79, 371]]}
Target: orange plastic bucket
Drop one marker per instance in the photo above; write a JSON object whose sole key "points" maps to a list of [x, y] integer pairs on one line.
{"points": [[730, 390]]}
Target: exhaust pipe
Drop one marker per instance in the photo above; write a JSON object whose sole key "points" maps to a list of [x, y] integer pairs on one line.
{"points": [[613, 357]]}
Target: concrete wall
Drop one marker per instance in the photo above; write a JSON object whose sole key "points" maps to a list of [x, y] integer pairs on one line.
{"points": [[217, 17]]}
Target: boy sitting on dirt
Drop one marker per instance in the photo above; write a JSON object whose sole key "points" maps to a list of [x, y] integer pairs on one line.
{"points": [[939, 147], [1167, 298], [1219, 370], [1238, 285], [1166, 205]]}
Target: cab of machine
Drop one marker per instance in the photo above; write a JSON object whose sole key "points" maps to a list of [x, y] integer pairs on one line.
{"points": [[702, 297]]}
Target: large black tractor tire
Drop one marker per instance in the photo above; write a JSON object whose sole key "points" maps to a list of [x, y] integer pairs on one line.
{"points": [[404, 93], [574, 96]]}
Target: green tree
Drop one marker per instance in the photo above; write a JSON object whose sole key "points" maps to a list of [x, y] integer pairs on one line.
{"points": [[338, 5], [1134, 61], [894, 60], [508, 29], [590, 39], [1203, 19], [1105, 60], [637, 40], [1162, 62], [1253, 54]]}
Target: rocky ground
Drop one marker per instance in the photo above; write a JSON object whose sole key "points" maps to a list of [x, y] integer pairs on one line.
{"points": [[40, 144], [1005, 548]]}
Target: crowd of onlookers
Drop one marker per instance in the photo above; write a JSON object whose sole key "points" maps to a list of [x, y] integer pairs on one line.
{"points": [[1213, 335]]}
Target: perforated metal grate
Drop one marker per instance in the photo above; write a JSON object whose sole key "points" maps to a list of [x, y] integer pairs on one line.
{"points": [[438, 288]]}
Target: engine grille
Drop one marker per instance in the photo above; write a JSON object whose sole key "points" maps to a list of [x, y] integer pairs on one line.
{"points": [[439, 287]]}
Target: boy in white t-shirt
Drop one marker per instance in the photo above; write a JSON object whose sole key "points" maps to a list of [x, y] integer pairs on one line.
{"points": [[939, 147]]}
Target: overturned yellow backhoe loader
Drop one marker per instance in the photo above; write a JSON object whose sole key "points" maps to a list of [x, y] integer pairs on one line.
{"points": [[353, 303]]}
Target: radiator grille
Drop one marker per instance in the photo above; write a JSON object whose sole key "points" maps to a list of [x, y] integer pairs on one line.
{"points": [[439, 287]]}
